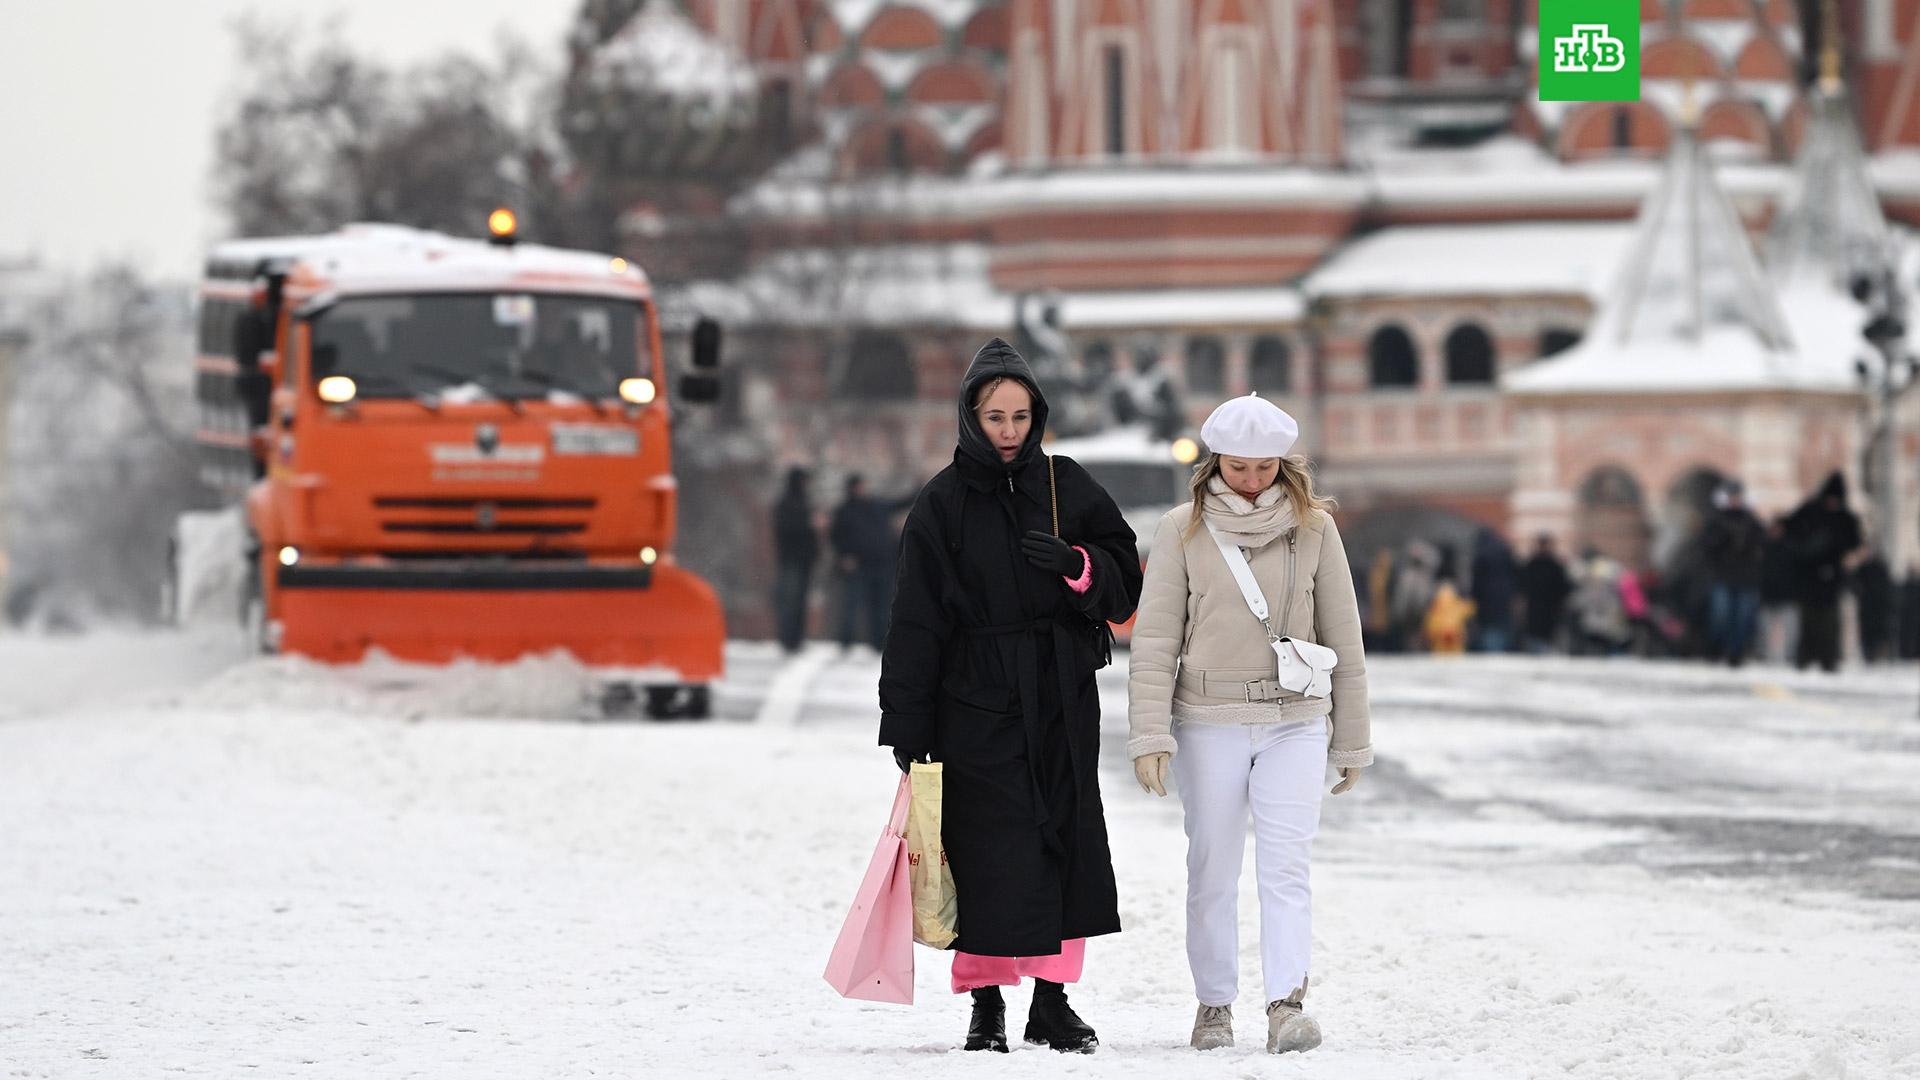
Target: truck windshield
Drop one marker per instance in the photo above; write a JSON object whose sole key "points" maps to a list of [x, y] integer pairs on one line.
{"points": [[500, 345]]}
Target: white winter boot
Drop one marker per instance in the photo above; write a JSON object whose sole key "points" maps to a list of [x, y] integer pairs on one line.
{"points": [[1290, 1029], [1213, 1027]]}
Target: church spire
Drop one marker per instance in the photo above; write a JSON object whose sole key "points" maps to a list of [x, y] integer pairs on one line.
{"points": [[1691, 266], [1828, 224]]}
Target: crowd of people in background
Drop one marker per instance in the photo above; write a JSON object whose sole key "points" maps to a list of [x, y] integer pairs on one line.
{"points": [[864, 543], [1738, 589]]}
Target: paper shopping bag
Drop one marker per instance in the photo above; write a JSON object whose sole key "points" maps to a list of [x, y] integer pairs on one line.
{"points": [[872, 959], [936, 908]]}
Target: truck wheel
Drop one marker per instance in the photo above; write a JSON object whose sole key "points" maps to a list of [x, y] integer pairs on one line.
{"points": [[679, 702], [699, 703], [619, 701]]}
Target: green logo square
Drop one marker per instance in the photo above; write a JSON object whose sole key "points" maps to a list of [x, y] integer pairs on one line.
{"points": [[1589, 50]]}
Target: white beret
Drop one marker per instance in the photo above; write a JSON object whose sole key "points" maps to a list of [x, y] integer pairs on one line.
{"points": [[1250, 427]]}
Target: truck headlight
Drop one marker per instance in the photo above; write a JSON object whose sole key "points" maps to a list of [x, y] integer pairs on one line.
{"points": [[338, 389], [649, 556], [638, 391], [289, 556]]}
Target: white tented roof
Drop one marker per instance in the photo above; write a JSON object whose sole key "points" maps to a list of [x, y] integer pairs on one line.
{"points": [[1829, 222], [1691, 309], [381, 258], [1575, 258]]}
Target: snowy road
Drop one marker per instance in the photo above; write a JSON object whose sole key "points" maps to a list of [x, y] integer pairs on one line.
{"points": [[1589, 869]]}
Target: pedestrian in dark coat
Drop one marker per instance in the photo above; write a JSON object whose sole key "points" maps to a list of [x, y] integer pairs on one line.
{"points": [[1495, 578], [1545, 585], [1822, 536], [999, 623], [1908, 608], [1874, 603], [863, 545], [1733, 546], [796, 545]]}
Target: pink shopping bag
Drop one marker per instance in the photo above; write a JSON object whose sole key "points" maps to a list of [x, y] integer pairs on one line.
{"points": [[873, 958]]}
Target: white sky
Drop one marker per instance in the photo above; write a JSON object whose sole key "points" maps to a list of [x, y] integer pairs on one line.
{"points": [[107, 110]]}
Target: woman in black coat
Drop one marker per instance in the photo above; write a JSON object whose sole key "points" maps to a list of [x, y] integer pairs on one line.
{"points": [[999, 623]]}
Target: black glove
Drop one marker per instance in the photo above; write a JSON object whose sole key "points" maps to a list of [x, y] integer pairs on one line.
{"points": [[905, 758], [1052, 554]]}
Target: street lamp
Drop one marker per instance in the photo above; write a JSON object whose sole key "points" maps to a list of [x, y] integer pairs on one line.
{"points": [[1877, 288]]}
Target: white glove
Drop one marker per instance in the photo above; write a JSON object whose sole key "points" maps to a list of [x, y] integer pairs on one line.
{"points": [[1348, 778], [1151, 771]]}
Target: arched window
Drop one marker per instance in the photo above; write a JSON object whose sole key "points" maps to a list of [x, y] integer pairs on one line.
{"points": [[880, 368], [1557, 339], [1469, 355], [897, 151], [1270, 369], [1206, 366], [1391, 359], [1115, 59]]}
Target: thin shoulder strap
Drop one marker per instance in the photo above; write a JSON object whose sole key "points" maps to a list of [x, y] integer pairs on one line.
{"points": [[1242, 576], [1053, 494]]}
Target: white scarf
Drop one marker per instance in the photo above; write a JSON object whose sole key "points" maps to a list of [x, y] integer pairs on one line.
{"points": [[1247, 523]]}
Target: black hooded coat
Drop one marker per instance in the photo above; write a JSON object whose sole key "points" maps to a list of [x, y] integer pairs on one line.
{"points": [[989, 666], [1819, 539]]}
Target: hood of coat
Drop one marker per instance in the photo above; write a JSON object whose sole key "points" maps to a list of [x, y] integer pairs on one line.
{"points": [[998, 360]]}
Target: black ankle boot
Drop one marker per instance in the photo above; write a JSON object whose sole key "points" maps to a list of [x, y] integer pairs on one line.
{"points": [[988, 1030], [1052, 1022]]}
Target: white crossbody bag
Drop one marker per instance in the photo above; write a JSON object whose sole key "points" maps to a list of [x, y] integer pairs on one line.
{"points": [[1305, 667]]}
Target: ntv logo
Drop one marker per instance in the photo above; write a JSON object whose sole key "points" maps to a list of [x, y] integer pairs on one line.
{"points": [[1589, 48], [1594, 46]]}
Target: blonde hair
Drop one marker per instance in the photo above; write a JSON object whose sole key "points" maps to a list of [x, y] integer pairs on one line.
{"points": [[1296, 479], [987, 388]]}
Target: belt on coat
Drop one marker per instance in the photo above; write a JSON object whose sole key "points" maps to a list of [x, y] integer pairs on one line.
{"points": [[1219, 685], [1029, 682]]}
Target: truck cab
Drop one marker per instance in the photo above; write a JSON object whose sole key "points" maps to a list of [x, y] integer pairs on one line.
{"points": [[453, 448]]}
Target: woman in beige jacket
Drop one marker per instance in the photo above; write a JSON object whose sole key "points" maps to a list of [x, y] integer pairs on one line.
{"points": [[1208, 696]]}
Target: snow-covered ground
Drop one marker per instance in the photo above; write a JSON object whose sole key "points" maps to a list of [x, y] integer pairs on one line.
{"points": [[215, 867]]}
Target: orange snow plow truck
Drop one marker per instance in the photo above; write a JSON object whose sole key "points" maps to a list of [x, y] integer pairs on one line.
{"points": [[456, 448]]}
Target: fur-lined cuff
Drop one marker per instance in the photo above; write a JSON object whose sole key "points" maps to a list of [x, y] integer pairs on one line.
{"points": [[1151, 744], [1085, 580], [1350, 759]]}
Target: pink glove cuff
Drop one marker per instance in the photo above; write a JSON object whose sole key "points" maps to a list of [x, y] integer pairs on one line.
{"points": [[1085, 580]]}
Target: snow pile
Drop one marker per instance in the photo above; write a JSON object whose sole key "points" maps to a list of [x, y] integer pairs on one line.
{"points": [[555, 685]]}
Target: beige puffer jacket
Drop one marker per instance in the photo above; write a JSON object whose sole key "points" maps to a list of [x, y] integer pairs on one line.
{"points": [[1196, 645]]}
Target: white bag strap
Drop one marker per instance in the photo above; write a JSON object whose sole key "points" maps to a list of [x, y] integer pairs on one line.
{"points": [[1243, 577]]}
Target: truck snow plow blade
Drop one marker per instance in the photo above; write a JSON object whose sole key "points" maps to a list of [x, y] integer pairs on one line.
{"points": [[661, 622]]}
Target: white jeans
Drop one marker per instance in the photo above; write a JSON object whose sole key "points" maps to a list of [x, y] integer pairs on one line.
{"points": [[1222, 770]]}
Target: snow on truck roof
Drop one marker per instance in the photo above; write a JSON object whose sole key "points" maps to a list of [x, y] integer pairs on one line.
{"points": [[364, 258]]}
